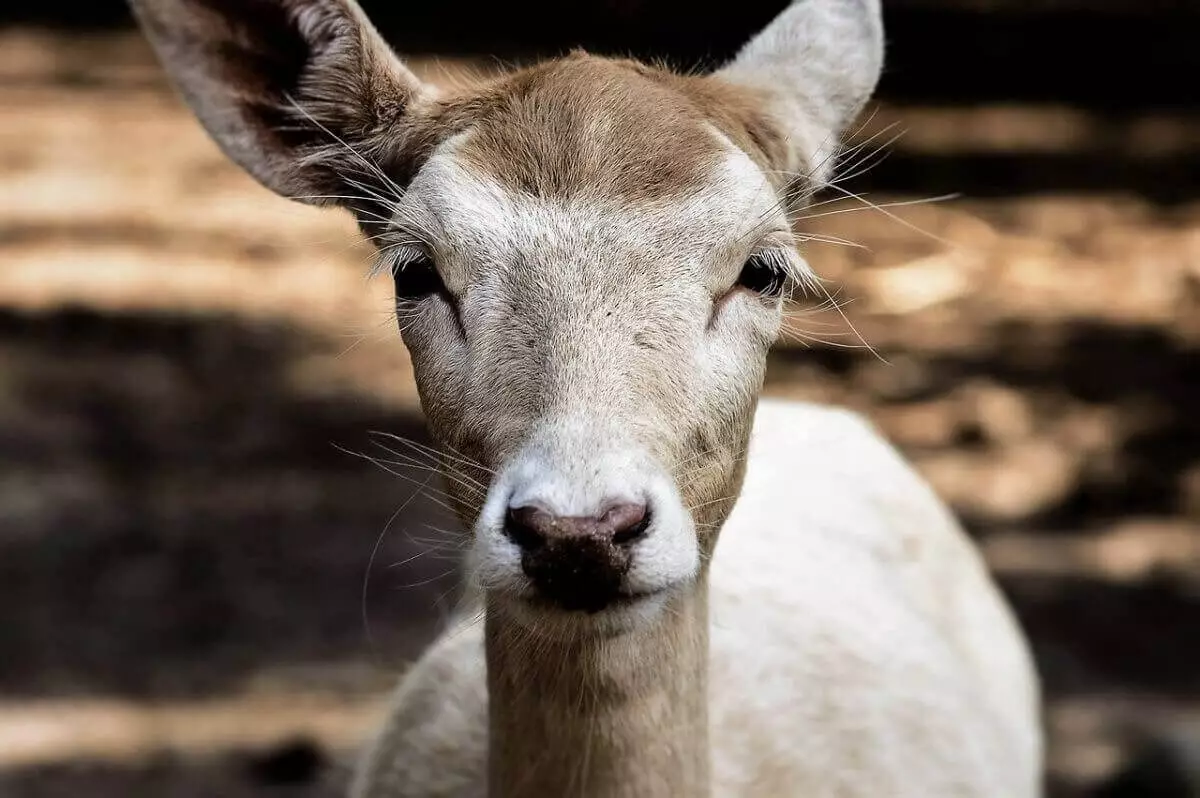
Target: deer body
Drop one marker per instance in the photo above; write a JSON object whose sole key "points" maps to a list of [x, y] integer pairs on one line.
{"points": [[591, 258]]}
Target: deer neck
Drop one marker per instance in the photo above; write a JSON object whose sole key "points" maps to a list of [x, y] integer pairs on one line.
{"points": [[603, 717]]}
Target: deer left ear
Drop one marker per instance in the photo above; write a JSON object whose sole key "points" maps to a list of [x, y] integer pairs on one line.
{"points": [[294, 91], [815, 65]]}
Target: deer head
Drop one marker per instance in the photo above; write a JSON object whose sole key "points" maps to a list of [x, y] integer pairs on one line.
{"points": [[590, 258]]}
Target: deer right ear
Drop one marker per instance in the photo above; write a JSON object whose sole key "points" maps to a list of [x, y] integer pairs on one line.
{"points": [[294, 91], [817, 64]]}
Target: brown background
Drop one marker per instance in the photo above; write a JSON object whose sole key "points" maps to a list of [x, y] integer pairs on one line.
{"points": [[184, 360]]}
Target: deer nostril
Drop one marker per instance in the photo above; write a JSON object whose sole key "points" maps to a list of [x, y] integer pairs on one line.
{"points": [[629, 523], [531, 528], [520, 524], [577, 562]]}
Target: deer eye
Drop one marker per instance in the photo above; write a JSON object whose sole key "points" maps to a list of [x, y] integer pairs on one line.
{"points": [[415, 276], [763, 274]]}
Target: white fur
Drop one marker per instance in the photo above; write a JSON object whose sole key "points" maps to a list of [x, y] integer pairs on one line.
{"points": [[859, 648]]}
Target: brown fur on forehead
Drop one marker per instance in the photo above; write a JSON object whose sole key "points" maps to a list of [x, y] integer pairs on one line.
{"points": [[585, 124], [740, 112]]}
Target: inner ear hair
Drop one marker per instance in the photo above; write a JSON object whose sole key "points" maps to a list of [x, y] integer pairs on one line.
{"points": [[297, 92]]}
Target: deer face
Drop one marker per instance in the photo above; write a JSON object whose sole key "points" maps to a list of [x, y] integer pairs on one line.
{"points": [[593, 335], [590, 258]]}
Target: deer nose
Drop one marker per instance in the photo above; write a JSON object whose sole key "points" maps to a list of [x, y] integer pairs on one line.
{"points": [[577, 562]]}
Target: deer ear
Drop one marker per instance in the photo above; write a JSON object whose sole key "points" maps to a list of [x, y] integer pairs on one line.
{"points": [[294, 91], [816, 65]]}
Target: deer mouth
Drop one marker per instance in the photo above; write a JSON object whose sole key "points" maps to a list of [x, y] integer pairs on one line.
{"points": [[621, 613], [591, 604]]}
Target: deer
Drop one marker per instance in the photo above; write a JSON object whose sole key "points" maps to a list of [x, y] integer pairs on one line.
{"points": [[591, 259]]}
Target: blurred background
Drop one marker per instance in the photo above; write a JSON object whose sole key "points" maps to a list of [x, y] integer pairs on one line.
{"points": [[205, 592]]}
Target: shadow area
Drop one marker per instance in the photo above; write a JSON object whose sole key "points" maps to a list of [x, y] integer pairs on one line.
{"points": [[175, 518], [1092, 636], [296, 770], [1100, 170], [1151, 381], [1145, 378], [1008, 50]]}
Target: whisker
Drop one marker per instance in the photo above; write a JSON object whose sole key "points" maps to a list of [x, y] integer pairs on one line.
{"points": [[431, 494], [868, 206], [445, 468], [457, 455], [838, 309], [854, 166], [428, 581], [363, 159], [371, 563], [900, 220], [718, 500], [820, 238]]}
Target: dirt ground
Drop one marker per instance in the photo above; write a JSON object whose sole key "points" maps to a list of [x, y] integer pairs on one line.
{"points": [[201, 592]]}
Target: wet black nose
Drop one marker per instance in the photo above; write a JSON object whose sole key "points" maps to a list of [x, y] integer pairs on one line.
{"points": [[577, 562]]}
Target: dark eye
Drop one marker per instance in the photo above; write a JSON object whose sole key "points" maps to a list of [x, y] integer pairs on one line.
{"points": [[416, 278], [763, 274]]}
